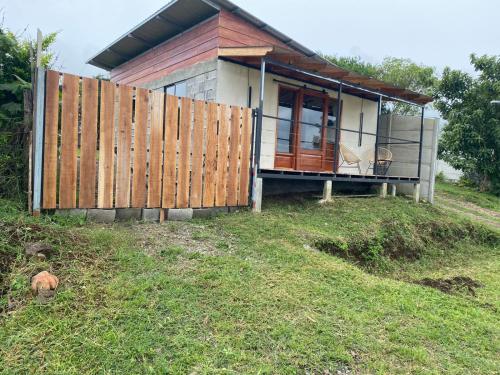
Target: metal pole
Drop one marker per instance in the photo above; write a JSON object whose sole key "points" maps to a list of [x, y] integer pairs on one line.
{"points": [[421, 143], [39, 101], [260, 114], [379, 112], [337, 130]]}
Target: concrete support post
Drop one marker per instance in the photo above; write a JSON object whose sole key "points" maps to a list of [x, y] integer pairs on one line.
{"points": [[257, 195], [393, 190], [327, 191], [416, 193], [383, 190]]}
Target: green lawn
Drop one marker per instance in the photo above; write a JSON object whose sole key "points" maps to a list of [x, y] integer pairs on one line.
{"points": [[468, 194], [246, 293]]}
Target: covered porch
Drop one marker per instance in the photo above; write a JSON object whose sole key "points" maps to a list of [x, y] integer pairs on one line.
{"points": [[328, 122]]}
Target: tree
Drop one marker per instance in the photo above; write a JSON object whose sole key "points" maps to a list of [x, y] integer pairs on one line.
{"points": [[399, 72], [16, 59], [471, 139]]}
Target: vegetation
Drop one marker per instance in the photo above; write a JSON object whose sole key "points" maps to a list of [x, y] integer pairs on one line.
{"points": [[471, 140], [248, 293], [469, 194], [16, 60]]}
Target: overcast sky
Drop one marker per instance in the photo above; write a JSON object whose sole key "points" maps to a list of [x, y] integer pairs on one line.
{"points": [[432, 32]]}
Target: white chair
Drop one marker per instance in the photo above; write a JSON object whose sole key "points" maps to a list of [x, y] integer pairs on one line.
{"points": [[384, 160], [349, 159]]}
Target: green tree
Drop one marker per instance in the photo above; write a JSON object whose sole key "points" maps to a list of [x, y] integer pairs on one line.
{"points": [[16, 61], [471, 139]]}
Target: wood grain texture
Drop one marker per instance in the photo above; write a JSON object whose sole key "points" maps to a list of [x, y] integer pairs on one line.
{"points": [[123, 149], [49, 190], [184, 168], [222, 157], [142, 103], [210, 168], [197, 154], [69, 141], [234, 156], [156, 151], [88, 148], [106, 146], [246, 146], [170, 159]]}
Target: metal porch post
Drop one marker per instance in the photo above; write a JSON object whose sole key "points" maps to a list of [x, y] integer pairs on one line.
{"points": [[379, 113], [337, 130], [257, 181], [421, 143]]}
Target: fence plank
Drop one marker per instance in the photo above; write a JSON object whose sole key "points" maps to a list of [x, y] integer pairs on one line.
{"points": [[169, 167], [89, 143], [234, 156], [210, 156], [69, 141], [49, 192], [140, 148], [156, 150], [222, 154], [246, 139], [184, 169], [197, 154], [106, 145], [124, 140]]}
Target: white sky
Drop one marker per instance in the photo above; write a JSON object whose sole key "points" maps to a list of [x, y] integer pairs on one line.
{"points": [[433, 32]]}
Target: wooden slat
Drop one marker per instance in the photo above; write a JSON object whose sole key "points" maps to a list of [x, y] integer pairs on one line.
{"points": [[169, 161], [106, 146], [89, 143], [246, 141], [183, 172], [49, 192], [140, 148], [210, 156], [234, 156], [124, 140], [156, 150], [69, 141], [222, 154], [197, 154]]}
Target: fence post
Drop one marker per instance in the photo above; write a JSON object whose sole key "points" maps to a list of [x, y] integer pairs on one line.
{"points": [[38, 113]]}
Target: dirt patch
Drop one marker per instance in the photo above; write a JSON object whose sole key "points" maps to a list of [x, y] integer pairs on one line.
{"points": [[154, 239], [457, 284]]}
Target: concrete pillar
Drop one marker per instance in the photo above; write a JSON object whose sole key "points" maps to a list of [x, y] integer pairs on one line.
{"points": [[416, 193], [383, 190], [327, 191], [257, 195], [393, 190]]}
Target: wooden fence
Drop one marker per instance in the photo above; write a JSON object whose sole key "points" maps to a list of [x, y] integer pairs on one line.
{"points": [[115, 146]]}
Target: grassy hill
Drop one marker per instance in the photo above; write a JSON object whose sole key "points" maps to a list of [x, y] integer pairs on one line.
{"points": [[355, 286]]}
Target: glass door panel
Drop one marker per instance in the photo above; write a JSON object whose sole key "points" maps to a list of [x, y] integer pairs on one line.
{"points": [[311, 123]]}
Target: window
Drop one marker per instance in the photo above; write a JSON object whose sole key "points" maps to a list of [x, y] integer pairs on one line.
{"points": [[285, 122], [331, 125], [177, 89], [312, 122]]}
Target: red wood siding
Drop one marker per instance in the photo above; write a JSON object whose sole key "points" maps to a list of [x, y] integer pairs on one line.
{"points": [[201, 43]]}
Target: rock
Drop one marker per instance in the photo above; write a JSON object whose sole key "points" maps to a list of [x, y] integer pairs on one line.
{"points": [[44, 285], [38, 249]]}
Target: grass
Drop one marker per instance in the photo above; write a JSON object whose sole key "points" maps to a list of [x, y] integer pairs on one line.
{"points": [[246, 293], [468, 194]]}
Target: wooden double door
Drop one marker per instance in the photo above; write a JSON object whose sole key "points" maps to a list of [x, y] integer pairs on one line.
{"points": [[306, 130]]}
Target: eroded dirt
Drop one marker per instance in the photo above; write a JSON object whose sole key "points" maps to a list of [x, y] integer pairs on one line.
{"points": [[457, 284]]}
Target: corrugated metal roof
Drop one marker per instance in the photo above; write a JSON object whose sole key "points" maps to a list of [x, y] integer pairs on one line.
{"points": [[180, 15]]}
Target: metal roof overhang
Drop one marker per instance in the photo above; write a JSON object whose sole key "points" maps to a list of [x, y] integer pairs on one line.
{"points": [[319, 71]]}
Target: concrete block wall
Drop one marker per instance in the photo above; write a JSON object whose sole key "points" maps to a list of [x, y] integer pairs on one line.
{"points": [[201, 80]]}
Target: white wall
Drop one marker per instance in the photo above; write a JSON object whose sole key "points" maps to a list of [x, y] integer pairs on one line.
{"points": [[233, 81]]}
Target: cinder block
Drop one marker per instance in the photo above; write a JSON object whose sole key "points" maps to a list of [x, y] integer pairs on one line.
{"points": [[182, 214], [101, 216], [151, 214], [74, 212], [127, 214]]}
